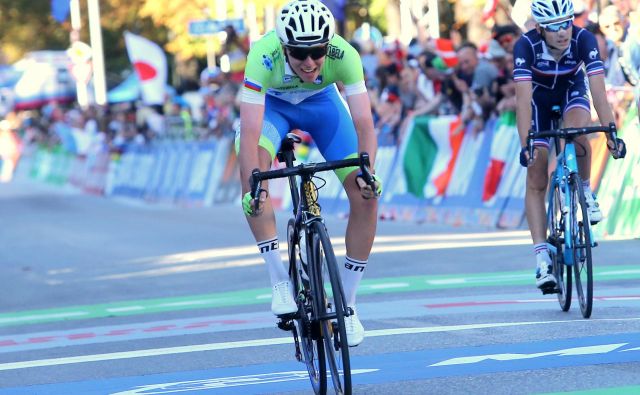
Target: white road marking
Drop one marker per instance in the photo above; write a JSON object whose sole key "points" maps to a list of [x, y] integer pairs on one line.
{"points": [[42, 316], [388, 286], [274, 341]]}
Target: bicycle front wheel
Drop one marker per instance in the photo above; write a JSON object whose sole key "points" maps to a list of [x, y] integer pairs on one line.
{"points": [[332, 308], [581, 241], [555, 237], [311, 351]]}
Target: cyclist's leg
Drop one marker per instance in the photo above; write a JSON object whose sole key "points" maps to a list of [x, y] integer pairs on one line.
{"points": [[578, 114], [263, 226], [536, 187], [336, 139]]}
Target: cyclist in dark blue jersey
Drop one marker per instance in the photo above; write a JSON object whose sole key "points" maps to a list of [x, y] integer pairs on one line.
{"points": [[554, 64]]}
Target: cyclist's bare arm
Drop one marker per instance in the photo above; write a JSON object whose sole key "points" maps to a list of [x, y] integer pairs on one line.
{"points": [[600, 102], [251, 117], [360, 108], [605, 114], [524, 95]]}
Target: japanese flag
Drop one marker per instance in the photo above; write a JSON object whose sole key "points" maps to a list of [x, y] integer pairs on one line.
{"points": [[150, 63]]}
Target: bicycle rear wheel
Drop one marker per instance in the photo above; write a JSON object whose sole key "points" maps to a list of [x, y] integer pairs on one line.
{"points": [[555, 233], [311, 343], [581, 240], [332, 308]]}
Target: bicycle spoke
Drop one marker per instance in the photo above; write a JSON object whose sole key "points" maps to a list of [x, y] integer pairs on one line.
{"points": [[333, 308], [581, 239], [555, 237], [311, 343]]}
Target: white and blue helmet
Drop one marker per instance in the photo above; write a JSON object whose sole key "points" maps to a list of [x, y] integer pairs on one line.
{"points": [[305, 23], [550, 11]]}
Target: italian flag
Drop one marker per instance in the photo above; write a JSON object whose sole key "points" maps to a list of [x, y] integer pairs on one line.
{"points": [[502, 148], [429, 152]]}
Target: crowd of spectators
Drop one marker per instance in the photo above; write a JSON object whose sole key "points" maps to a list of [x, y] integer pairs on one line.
{"points": [[477, 83], [427, 77]]}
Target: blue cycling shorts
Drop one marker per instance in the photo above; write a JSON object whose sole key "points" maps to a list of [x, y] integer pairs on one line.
{"points": [[573, 95], [324, 116]]}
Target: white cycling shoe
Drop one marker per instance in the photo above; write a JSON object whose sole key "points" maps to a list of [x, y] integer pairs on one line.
{"points": [[544, 271], [282, 299], [593, 208], [354, 329]]}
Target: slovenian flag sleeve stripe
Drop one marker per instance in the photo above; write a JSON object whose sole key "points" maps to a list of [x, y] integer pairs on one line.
{"points": [[253, 85]]}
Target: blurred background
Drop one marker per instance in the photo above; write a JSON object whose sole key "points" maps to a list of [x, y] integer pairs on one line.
{"points": [[139, 98]]}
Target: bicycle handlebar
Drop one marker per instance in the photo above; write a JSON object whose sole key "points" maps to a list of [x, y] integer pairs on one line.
{"points": [[570, 133], [361, 161]]}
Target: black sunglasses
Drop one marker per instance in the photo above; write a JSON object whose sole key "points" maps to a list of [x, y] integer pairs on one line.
{"points": [[301, 53]]}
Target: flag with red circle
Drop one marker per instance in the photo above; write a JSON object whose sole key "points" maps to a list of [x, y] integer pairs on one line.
{"points": [[150, 64]]}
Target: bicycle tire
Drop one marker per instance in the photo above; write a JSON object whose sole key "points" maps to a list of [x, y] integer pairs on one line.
{"points": [[555, 231], [332, 306], [581, 241], [308, 329]]}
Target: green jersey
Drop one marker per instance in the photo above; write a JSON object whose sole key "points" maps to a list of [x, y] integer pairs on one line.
{"points": [[268, 73]]}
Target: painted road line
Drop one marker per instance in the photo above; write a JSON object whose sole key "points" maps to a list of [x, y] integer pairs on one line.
{"points": [[626, 390], [259, 295], [250, 250], [222, 258], [420, 365], [373, 311], [128, 332], [278, 341]]}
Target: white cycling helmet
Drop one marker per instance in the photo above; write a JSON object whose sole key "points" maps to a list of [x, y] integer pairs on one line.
{"points": [[546, 11], [305, 23]]}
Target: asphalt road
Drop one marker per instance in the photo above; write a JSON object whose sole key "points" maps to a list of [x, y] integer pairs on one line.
{"points": [[103, 296]]}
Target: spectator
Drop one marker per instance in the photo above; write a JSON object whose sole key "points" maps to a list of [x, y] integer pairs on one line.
{"points": [[235, 48], [624, 7], [614, 27], [430, 98], [580, 14], [506, 36], [389, 105], [472, 82]]}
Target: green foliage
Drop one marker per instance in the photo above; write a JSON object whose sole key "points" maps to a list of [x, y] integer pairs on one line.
{"points": [[27, 28]]}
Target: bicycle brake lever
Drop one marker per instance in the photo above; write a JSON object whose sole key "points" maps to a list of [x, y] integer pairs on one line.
{"points": [[365, 173], [530, 147], [254, 184]]}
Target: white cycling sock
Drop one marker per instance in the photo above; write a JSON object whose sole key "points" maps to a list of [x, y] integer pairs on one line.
{"points": [[270, 252], [540, 247], [351, 273], [586, 186]]}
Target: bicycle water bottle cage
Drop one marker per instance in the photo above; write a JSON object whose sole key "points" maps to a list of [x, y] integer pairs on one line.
{"points": [[556, 113]]}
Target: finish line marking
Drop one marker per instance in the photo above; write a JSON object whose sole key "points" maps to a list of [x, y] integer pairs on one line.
{"points": [[273, 341]]}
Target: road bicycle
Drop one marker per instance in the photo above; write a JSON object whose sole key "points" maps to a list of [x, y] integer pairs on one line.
{"points": [[569, 235], [318, 326]]}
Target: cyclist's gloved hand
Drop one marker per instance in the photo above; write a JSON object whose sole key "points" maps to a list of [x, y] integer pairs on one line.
{"points": [[248, 204], [524, 156], [621, 150], [366, 190]]}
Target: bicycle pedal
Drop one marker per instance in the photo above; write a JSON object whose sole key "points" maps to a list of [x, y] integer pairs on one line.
{"points": [[286, 324], [550, 289]]}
